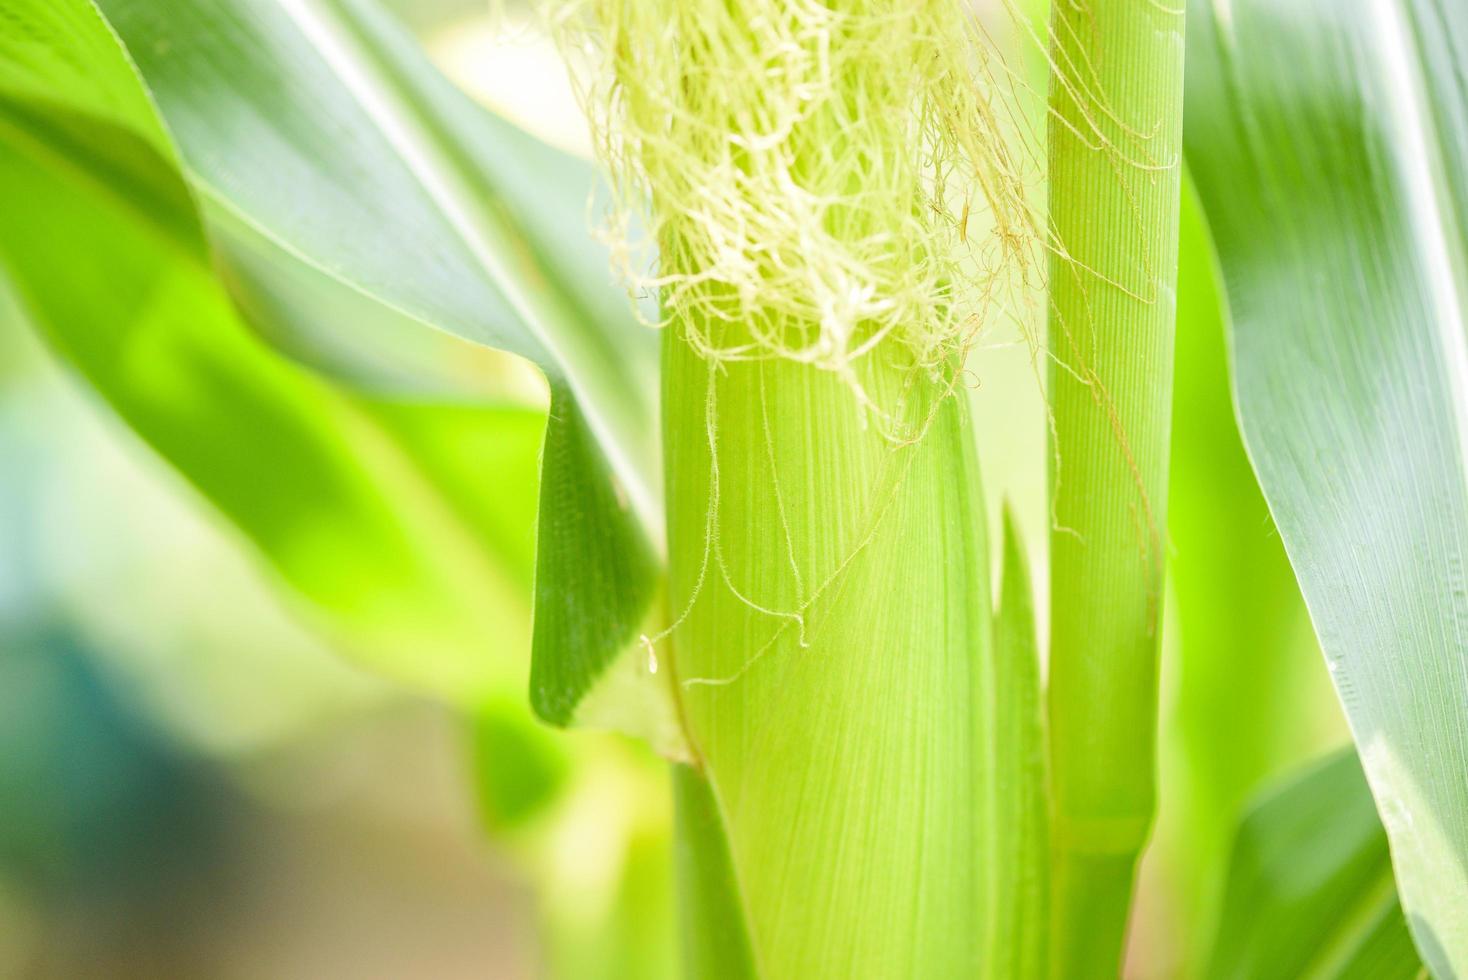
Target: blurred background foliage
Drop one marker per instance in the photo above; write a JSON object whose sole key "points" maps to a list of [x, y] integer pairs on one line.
{"points": [[193, 784]]}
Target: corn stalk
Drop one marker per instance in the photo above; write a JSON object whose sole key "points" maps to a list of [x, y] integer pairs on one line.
{"points": [[1114, 163]]}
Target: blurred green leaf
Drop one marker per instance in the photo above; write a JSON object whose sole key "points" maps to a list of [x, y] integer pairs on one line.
{"points": [[516, 773], [321, 124], [1310, 890], [1329, 142], [375, 508], [341, 509], [1243, 643], [372, 222]]}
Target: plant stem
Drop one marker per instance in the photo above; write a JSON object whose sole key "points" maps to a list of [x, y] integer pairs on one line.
{"points": [[1115, 145]]}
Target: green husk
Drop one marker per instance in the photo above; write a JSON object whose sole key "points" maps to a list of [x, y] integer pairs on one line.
{"points": [[807, 175], [833, 652]]}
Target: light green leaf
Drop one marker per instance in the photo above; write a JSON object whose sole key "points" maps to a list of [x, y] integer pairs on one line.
{"points": [[1329, 142], [345, 334], [714, 933], [1018, 928], [373, 222], [344, 511], [1310, 891], [374, 509], [321, 124]]}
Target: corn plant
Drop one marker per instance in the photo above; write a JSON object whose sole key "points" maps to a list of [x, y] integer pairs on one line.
{"points": [[740, 515]]}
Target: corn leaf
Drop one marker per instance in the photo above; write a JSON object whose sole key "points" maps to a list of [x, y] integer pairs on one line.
{"points": [[373, 222], [1018, 933], [1310, 890], [322, 125], [715, 936], [1329, 142], [108, 261]]}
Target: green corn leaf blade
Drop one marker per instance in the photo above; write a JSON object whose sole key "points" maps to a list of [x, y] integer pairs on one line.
{"points": [[1310, 890], [347, 335], [372, 509], [322, 125], [328, 495], [1386, 952], [425, 17], [60, 55], [1329, 143], [373, 222], [112, 268]]}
